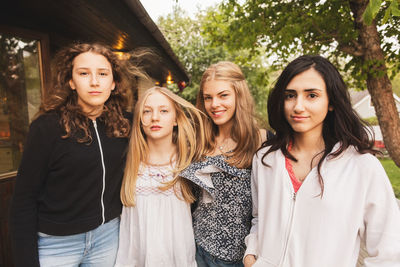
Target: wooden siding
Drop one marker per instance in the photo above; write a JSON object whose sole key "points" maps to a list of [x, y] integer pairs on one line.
{"points": [[6, 191]]}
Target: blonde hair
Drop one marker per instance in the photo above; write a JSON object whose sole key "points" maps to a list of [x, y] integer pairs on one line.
{"points": [[244, 124], [188, 136]]}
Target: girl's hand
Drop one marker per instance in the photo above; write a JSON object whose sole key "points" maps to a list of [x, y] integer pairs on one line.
{"points": [[249, 260]]}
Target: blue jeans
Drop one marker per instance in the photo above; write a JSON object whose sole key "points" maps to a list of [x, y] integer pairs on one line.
{"points": [[205, 259], [94, 248]]}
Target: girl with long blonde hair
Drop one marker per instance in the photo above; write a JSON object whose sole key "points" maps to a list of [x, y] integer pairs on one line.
{"points": [[156, 224], [223, 214]]}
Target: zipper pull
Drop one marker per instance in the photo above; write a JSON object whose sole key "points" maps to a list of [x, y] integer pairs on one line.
{"points": [[94, 123], [294, 196]]}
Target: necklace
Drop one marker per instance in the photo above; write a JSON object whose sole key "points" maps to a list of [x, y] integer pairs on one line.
{"points": [[159, 163], [223, 144]]}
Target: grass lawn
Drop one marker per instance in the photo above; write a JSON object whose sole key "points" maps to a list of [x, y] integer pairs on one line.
{"points": [[394, 174]]}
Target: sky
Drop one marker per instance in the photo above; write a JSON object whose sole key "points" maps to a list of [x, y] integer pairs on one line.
{"points": [[157, 8]]}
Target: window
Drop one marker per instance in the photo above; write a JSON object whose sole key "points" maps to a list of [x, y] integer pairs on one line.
{"points": [[20, 96]]}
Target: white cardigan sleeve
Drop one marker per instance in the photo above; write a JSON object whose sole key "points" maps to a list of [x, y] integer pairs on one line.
{"points": [[251, 240], [381, 220]]}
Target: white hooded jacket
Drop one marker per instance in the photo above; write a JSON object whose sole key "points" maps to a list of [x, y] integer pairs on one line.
{"points": [[305, 230]]}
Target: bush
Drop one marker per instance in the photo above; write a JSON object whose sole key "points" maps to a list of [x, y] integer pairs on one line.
{"points": [[372, 121], [394, 174]]}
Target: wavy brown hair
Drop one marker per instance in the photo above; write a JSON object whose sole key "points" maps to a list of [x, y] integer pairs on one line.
{"points": [[64, 101], [244, 130]]}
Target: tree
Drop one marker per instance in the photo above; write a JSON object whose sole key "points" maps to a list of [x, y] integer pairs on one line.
{"points": [[374, 6], [192, 47], [334, 28], [183, 34]]}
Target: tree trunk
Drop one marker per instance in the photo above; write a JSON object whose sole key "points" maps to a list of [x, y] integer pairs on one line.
{"points": [[378, 83]]}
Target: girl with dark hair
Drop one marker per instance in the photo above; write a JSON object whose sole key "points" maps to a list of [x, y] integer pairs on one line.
{"points": [[66, 206], [318, 191], [222, 217]]}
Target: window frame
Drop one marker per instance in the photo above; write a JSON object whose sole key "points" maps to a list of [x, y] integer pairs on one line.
{"points": [[44, 64]]}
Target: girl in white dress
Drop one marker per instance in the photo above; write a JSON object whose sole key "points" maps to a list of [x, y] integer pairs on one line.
{"points": [[156, 223]]}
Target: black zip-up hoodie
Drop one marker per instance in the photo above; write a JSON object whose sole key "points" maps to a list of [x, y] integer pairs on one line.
{"points": [[60, 182]]}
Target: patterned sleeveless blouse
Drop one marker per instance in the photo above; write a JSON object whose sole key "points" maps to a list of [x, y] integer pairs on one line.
{"points": [[222, 218]]}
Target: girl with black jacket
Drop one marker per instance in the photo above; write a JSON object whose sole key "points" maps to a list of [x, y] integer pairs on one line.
{"points": [[66, 205]]}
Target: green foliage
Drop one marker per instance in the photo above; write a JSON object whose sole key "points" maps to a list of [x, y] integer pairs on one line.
{"points": [[184, 36], [391, 9], [393, 173], [287, 29], [396, 84], [372, 120], [371, 11], [193, 47]]}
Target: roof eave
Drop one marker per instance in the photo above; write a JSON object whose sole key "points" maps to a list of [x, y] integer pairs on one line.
{"points": [[141, 13]]}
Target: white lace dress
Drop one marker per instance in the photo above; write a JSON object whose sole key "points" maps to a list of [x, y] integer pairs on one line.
{"points": [[158, 231]]}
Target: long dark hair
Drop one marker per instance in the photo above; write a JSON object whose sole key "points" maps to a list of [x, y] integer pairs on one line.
{"points": [[64, 101], [342, 125]]}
